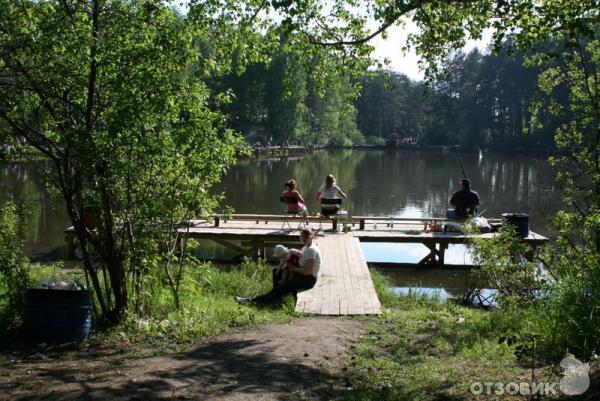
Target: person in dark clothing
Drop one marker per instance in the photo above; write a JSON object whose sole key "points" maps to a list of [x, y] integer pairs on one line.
{"points": [[464, 203]]}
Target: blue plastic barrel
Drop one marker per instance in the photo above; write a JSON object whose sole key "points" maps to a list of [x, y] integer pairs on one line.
{"points": [[520, 222], [57, 316]]}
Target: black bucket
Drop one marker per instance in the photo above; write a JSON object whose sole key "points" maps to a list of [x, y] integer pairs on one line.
{"points": [[57, 316], [520, 221]]}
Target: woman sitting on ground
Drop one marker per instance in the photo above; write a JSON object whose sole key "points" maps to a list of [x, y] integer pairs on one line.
{"points": [[292, 198], [304, 277], [329, 190]]}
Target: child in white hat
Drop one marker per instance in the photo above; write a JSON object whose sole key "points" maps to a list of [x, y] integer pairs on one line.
{"points": [[287, 257]]}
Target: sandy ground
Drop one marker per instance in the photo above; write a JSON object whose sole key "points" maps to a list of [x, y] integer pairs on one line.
{"points": [[271, 362]]}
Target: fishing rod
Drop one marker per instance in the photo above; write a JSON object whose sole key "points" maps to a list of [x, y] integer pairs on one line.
{"points": [[460, 163]]}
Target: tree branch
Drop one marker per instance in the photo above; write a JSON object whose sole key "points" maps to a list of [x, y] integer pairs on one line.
{"points": [[395, 15]]}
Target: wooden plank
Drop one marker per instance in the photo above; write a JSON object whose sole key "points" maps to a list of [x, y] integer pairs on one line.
{"points": [[361, 288], [353, 219], [368, 287], [355, 289], [340, 304], [368, 294], [341, 263], [238, 249], [354, 298], [344, 286], [393, 218], [356, 304], [399, 234], [330, 301], [324, 303]]}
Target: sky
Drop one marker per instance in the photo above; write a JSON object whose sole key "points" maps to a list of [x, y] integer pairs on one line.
{"points": [[407, 63]]}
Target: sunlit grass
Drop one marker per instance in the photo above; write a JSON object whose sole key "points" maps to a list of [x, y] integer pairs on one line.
{"points": [[424, 349], [207, 306]]}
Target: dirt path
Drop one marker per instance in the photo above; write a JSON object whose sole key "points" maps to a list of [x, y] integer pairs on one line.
{"points": [[271, 362]]}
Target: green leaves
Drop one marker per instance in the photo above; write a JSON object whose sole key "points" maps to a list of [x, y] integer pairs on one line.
{"points": [[14, 267], [123, 116]]}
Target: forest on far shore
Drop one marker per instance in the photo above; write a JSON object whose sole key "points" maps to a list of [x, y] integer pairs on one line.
{"points": [[482, 102]]}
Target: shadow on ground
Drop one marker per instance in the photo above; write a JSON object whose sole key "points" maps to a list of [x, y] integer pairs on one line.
{"points": [[274, 362]]}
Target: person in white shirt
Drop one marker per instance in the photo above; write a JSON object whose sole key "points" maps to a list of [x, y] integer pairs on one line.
{"points": [[304, 277], [329, 190]]}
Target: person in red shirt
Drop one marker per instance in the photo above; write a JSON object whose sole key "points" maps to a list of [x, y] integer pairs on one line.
{"points": [[287, 257], [292, 198]]}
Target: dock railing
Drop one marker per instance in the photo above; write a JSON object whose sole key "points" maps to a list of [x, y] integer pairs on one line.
{"points": [[362, 221]]}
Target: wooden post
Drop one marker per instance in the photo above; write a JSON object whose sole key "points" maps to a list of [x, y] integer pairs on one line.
{"points": [[180, 244], [217, 221], [443, 247], [335, 223], [431, 256], [361, 224]]}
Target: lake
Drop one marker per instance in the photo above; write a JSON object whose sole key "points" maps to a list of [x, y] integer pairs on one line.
{"points": [[399, 183]]}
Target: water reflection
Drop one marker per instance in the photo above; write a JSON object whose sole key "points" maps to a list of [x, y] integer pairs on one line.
{"points": [[46, 218], [456, 254], [484, 298], [399, 183], [378, 182], [437, 284]]}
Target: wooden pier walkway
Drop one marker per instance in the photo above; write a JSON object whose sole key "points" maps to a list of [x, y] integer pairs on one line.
{"points": [[344, 286]]}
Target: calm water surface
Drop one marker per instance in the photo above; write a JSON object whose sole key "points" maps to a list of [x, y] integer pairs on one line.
{"points": [[397, 183]]}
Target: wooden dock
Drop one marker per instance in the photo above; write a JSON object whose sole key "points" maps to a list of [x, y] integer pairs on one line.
{"points": [[257, 232], [283, 151], [344, 286]]}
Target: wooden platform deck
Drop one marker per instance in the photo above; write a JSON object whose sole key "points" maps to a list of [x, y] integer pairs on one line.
{"points": [[255, 233], [344, 286]]}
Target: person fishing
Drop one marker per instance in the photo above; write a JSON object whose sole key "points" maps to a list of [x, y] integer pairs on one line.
{"points": [[464, 202], [329, 190]]}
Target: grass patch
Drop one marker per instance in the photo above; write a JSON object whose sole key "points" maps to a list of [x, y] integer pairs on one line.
{"points": [[207, 307], [423, 349]]}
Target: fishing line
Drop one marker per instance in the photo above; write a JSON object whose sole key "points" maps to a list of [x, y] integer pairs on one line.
{"points": [[460, 163]]}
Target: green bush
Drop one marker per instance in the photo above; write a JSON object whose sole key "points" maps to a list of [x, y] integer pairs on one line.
{"points": [[207, 306], [570, 318], [557, 306], [501, 265], [376, 140], [14, 267]]}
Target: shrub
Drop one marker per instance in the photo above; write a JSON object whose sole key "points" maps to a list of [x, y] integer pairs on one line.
{"points": [[14, 267], [503, 267]]}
